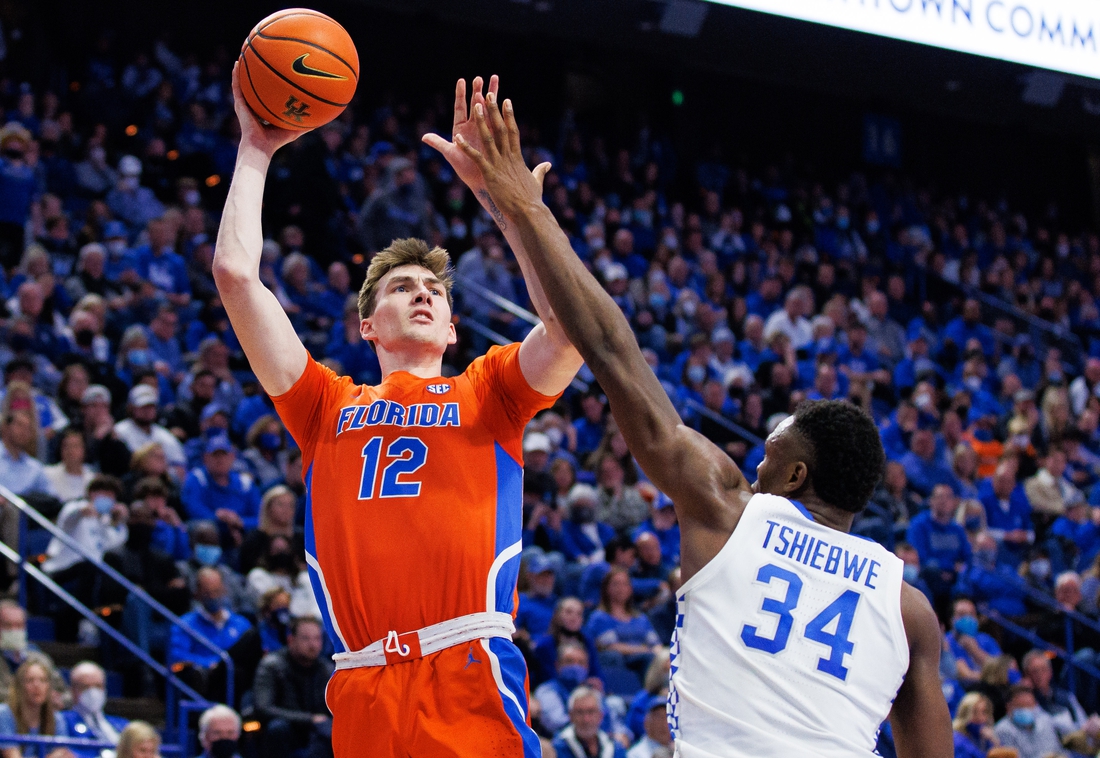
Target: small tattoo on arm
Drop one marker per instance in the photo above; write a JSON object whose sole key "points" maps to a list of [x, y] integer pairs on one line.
{"points": [[493, 209]]}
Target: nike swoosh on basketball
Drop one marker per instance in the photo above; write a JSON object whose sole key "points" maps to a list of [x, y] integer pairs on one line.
{"points": [[300, 67]]}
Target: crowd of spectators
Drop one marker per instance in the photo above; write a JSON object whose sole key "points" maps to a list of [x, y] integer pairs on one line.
{"points": [[128, 414]]}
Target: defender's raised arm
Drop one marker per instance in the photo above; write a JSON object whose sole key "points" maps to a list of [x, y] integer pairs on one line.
{"points": [[701, 480]]}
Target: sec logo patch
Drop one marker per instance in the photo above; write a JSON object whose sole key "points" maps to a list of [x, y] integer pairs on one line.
{"points": [[439, 389]]}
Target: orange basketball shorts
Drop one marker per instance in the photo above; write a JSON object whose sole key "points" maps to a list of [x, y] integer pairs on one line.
{"points": [[467, 701]]}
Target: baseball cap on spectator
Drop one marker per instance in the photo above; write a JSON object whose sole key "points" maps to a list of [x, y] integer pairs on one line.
{"points": [[537, 442], [539, 564], [211, 410], [615, 272], [96, 393], [219, 443], [656, 701], [917, 331], [582, 492], [128, 165], [114, 230], [143, 394]]}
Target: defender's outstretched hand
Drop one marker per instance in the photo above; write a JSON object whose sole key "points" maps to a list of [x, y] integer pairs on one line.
{"points": [[464, 125], [267, 139], [486, 152]]}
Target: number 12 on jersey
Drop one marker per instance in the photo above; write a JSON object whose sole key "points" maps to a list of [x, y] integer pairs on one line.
{"points": [[409, 454], [843, 609]]}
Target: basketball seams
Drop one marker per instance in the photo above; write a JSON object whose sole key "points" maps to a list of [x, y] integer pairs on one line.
{"points": [[282, 76], [300, 12], [351, 68], [260, 100]]}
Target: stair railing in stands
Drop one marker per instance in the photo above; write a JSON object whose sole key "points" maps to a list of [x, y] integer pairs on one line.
{"points": [[1065, 655], [1041, 332], [466, 284], [27, 568], [27, 512]]}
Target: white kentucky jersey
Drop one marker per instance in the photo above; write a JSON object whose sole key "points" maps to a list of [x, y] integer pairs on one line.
{"points": [[789, 643]]}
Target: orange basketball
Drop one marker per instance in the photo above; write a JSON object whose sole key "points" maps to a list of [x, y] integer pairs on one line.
{"points": [[299, 69]]}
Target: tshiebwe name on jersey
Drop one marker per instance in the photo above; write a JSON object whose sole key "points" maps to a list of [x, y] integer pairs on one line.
{"points": [[389, 413], [802, 548]]}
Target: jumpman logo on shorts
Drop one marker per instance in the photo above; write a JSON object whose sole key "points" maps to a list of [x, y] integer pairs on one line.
{"points": [[470, 658]]}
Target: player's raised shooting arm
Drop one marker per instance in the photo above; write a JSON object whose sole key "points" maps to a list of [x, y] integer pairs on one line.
{"points": [[547, 357], [699, 477], [919, 719], [274, 351]]}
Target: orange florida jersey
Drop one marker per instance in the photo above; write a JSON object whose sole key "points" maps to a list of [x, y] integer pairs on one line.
{"points": [[414, 493]]}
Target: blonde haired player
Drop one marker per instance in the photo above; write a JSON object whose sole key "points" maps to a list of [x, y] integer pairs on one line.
{"points": [[413, 487]]}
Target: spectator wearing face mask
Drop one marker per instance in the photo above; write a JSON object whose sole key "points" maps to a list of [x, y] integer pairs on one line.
{"points": [[911, 570], [265, 453], [206, 551], [98, 524], [212, 619], [86, 718], [971, 648], [134, 204], [14, 646], [572, 671], [583, 538], [1026, 727], [219, 732]]}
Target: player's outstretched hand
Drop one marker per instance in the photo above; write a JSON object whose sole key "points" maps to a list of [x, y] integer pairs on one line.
{"points": [[464, 125], [499, 159], [254, 133]]}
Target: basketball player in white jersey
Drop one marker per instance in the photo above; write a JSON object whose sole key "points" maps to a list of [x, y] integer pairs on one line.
{"points": [[794, 638]]}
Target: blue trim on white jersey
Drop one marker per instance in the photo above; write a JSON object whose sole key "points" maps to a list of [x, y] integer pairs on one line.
{"points": [[320, 592], [513, 676], [509, 527]]}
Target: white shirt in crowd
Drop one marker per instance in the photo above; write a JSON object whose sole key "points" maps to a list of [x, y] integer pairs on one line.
{"points": [[96, 533], [135, 437], [65, 486]]}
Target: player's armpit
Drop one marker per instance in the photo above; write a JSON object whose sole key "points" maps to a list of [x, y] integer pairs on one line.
{"points": [[920, 720], [709, 493]]}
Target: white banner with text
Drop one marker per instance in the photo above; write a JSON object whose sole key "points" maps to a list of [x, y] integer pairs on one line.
{"points": [[1052, 34]]}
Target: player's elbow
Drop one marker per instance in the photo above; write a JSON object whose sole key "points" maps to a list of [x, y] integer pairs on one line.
{"points": [[229, 276]]}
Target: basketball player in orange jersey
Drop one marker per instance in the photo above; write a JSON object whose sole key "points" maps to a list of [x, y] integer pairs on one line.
{"points": [[413, 487]]}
